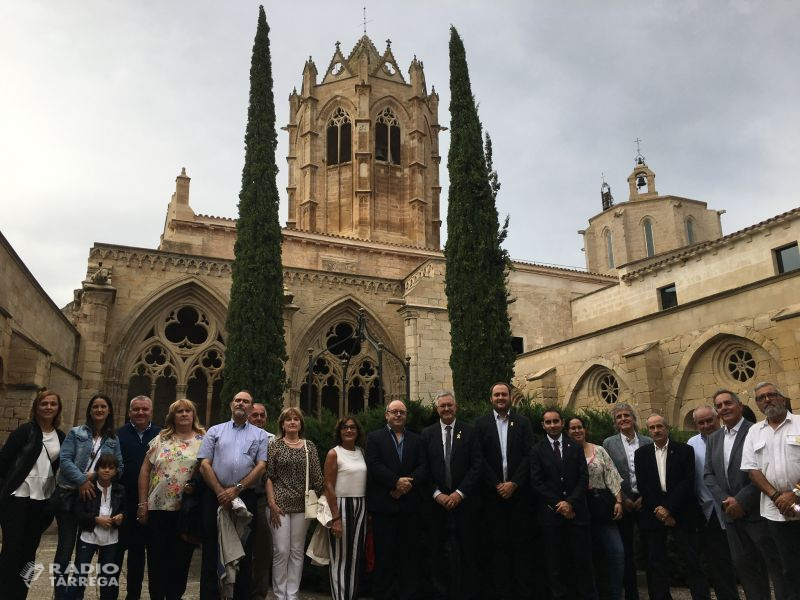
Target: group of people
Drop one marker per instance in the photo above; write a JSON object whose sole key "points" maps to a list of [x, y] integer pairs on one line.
{"points": [[480, 510]]}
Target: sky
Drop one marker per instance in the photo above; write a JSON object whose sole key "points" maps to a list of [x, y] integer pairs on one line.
{"points": [[103, 102]]}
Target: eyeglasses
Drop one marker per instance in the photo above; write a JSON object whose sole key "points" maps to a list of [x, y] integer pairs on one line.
{"points": [[768, 396], [396, 412], [348, 428]]}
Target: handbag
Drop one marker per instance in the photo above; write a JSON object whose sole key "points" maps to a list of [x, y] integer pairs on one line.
{"points": [[62, 500], [601, 505], [319, 550], [311, 495]]}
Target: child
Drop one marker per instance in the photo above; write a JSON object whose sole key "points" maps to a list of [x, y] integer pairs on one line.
{"points": [[99, 519]]}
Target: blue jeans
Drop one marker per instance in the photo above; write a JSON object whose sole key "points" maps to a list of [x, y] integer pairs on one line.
{"points": [[106, 573], [607, 535]]}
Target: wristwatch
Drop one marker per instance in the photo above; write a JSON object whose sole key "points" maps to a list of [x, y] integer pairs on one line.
{"points": [[239, 487]]}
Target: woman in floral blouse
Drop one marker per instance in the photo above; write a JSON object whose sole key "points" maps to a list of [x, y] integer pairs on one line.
{"points": [[286, 487], [170, 463]]}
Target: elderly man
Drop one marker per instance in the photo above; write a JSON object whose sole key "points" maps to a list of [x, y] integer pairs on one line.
{"points": [[713, 543], [771, 456], [453, 464], [395, 474], [262, 534], [134, 438], [621, 449], [665, 476], [506, 439], [753, 552], [233, 457]]}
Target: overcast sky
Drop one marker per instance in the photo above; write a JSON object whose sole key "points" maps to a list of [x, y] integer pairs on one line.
{"points": [[103, 102]]}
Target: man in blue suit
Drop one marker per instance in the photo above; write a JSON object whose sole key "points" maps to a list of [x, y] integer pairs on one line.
{"points": [[395, 475], [453, 464]]}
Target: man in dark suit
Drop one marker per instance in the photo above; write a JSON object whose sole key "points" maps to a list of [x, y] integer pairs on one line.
{"points": [[505, 442], [621, 448], [665, 476], [453, 465], [753, 551], [560, 478], [395, 474]]}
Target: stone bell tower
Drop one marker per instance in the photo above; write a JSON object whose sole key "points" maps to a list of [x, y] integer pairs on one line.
{"points": [[364, 150]]}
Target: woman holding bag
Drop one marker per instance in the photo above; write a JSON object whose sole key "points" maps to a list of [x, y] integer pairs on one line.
{"points": [[292, 469], [345, 488], [28, 465], [76, 478], [604, 498]]}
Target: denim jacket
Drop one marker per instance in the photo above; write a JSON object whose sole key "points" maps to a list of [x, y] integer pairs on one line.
{"points": [[76, 451]]}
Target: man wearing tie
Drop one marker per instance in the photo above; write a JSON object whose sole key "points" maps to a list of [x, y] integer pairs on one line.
{"points": [[560, 478], [713, 543], [665, 475], [453, 462], [753, 551], [505, 442], [395, 473]]}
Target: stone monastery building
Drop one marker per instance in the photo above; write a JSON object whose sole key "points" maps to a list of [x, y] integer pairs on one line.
{"points": [[667, 311]]}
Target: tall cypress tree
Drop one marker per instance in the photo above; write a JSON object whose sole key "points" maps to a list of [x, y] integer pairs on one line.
{"points": [[475, 283], [256, 349]]}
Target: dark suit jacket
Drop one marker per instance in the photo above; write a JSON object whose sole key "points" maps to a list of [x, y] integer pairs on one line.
{"points": [[554, 480], [737, 483], [680, 498], [518, 447], [384, 468], [616, 450], [465, 460]]}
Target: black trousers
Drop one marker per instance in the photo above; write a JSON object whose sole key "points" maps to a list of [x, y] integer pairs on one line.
{"points": [[507, 556], [209, 582], [687, 544], [717, 560], [787, 539], [23, 521], [756, 559], [397, 555], [452, 560], [568, 549], [629, 522], [168, 556], [133, 540]]}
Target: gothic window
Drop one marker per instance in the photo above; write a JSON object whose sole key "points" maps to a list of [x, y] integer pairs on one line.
{"points": [[340, 138], [690, 237], [609, 388], [741, 365], [387, 137], [181, 355], [648, 237], [609, 249]]}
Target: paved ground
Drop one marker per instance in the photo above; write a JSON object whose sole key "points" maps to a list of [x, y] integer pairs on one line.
{"points": [[42, 590]]}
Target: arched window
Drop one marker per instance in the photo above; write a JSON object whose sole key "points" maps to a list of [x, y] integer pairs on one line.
{"points": [[387, 137], [340, 138], [690, 239], [648, 237], [609, 249]]}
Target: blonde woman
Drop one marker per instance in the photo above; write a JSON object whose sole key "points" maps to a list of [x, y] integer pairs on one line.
{"points": [[286, 486], [169, 465]]}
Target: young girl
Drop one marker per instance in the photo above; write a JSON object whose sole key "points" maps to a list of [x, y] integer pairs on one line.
{"points": [[99, 519]]}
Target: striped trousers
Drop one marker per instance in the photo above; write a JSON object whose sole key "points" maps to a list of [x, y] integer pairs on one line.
{"points": [[347, 552]]}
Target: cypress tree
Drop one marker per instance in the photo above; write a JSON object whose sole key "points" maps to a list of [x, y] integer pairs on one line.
{"points": [[475, 283], [256, 349]]}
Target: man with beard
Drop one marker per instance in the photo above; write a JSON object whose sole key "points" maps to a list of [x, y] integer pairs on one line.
{"points": [[771, 455], [233, 457]]}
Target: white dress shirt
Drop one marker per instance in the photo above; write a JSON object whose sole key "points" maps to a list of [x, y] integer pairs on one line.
{"points": [[631, 446], [727, 444], [707, 503], [502, 432], [452, 426], [661, 463]]}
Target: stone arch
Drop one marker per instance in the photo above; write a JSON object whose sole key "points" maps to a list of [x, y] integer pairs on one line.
{"points": [[399, 109], [325, 112], [714, 336], [586, 371], [345, 309], [143, 349]]}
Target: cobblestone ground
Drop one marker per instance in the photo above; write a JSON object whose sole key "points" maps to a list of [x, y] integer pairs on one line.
{"points": [[41, 589]]}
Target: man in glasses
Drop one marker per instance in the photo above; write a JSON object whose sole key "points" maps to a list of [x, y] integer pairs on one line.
{"points": [[395, 472], [771, 456], [621, 448]]}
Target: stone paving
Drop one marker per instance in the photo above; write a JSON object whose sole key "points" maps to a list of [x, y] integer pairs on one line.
{"points": [[42, 590]]}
